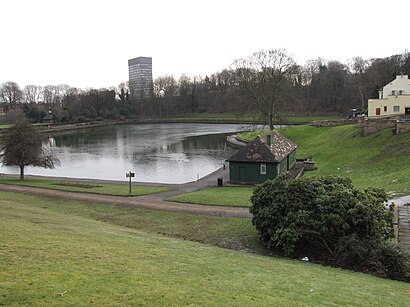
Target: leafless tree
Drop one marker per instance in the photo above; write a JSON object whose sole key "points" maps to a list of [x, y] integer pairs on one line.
{"points": [[123, 91], [10, 95], [22, 146], [32, 94], [265, 75]]}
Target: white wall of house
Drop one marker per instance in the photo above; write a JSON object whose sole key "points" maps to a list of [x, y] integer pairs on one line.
{"points": [[392, 105], [399, 86], [393, 99]]}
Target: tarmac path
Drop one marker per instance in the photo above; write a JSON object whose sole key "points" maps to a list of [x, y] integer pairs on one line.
{"points": [[151, 202]]}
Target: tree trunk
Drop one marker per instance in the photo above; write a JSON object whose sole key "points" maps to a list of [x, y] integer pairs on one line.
{"points": [[21, 172]]}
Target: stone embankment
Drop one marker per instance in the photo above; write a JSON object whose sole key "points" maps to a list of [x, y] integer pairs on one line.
{"points": [[235, 141]]}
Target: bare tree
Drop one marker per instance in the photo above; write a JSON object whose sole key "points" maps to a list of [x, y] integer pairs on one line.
{"points": [[265, 75], [123, 91], [165, 86], [10, 95], [32, 94], [22, 146]]}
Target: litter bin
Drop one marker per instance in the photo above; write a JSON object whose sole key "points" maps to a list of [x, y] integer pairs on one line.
{"points": [[220, 182]]}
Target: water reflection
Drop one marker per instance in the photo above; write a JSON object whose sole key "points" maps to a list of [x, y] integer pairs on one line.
{"points": [[171, 153]]}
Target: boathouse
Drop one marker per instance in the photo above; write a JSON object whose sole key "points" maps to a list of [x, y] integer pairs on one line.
{"points": [[264, 158]]}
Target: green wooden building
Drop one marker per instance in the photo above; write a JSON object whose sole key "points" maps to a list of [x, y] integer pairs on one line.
{"points": [[264, 158]]}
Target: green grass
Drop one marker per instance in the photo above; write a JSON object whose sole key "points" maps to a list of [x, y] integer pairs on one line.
{"points": [[106, 189], [53, 253], [221, 196], [253, 117], [380, 160], [251, 135], [308, 118], [4, 126]]}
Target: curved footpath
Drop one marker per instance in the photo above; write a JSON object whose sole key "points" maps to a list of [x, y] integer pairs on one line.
{"points": [[152, 201]]}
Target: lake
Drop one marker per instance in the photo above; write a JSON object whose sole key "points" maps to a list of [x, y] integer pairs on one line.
{"points": [[163, 153]]}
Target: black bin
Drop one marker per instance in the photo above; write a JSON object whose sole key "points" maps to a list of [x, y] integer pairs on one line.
{"points": [[220, 181]]}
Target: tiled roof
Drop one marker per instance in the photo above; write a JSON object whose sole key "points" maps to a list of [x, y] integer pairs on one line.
{"points": [[259, 151]]}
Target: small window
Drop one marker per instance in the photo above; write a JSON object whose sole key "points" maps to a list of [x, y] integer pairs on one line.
{"points": [[263, 169], [385, 108], [396, 109], [400, 92], [393, 92]]}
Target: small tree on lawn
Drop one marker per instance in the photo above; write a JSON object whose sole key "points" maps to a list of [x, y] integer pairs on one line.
{"points": [[22, 146]]}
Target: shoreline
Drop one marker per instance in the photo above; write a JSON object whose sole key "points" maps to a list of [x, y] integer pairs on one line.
{"points": [[53, 127]]}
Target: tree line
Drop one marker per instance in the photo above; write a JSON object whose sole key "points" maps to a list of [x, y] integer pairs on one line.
{"points": [[267, 83]]}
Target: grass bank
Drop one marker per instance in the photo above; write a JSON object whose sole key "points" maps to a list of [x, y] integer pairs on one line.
{"points": [[56, 253], [381, 160], [86, 187], [220, 196]]}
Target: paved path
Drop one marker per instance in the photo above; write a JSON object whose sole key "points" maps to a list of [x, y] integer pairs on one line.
{"points": [[153, 202], [403, 212]]}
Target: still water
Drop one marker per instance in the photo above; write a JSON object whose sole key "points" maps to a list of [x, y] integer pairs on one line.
{"points": [[167, 153]]}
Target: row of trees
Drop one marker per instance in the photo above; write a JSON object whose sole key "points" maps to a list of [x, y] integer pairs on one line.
{"points": [[268, 82]]}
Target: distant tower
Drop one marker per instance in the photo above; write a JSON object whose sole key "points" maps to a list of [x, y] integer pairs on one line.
{"points": [[140, 77]]}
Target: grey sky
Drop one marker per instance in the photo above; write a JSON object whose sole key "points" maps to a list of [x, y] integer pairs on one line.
{"points": [[87, 43]]}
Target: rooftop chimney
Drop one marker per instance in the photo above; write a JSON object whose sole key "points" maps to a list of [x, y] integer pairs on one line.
{"points": [[269, 139]]}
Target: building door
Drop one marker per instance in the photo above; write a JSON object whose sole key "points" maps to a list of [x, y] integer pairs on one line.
{"points": [[407, 110], [377, 111], [242, 174]]}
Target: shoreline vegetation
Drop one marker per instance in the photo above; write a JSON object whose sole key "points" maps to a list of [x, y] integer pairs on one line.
{"points": [[200, 118]]}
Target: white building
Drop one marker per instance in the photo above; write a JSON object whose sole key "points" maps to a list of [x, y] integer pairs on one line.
{"points": [[394, 99]]}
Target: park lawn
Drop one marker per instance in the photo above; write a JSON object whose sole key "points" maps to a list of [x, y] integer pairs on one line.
{"points": [[308, 118], [218, 196], [53, 256], [380, 160], [86, 187]]}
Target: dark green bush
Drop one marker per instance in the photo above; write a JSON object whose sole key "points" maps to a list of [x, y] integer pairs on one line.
{"points": [[382, 258], [327, 219]]}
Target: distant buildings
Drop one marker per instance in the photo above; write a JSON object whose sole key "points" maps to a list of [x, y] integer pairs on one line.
{"points": [[140, 77], [394, 99]]}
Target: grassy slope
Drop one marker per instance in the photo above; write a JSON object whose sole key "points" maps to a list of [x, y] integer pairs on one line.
{"points": [[106, 189], [381, 160], [47, 251], [226, 196]]}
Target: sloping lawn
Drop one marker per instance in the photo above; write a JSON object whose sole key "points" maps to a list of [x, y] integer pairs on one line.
{"points": [[85, 187], [380, 160], [51, 257], [220, 196]]}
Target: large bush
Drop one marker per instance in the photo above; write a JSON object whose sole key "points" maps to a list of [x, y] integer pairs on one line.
{"points": [[323, 218]]}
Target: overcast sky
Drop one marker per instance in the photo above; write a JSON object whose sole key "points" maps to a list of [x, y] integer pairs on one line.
{"points": [[88, 43]]}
